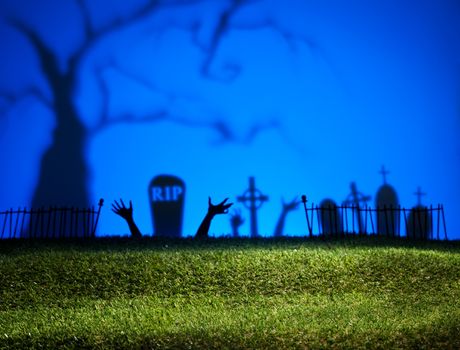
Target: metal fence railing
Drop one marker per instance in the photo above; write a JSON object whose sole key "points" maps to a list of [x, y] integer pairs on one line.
{"points": [[417, 223], [50, 223]]}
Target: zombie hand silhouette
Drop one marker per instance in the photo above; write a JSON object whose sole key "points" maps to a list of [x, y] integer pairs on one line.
{"points": [[236, 220], [213, 210], [293, 205], [287, 207], [220, 208], [127, 214]]}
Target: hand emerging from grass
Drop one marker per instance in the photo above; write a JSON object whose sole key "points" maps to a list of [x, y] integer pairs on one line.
{"points": [[213, 210], [220, 208], [127, 214]]}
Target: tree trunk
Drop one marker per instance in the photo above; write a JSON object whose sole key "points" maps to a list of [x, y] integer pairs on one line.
{"points": [[63, 171]]}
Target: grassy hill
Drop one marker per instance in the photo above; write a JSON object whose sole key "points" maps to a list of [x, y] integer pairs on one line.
{"points": [[289, 293]]}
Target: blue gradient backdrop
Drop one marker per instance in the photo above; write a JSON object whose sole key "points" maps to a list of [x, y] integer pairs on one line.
{"points": [[306, 96]]}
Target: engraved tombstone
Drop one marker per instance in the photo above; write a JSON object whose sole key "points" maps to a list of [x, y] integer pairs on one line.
{"points": [[166, 196]]}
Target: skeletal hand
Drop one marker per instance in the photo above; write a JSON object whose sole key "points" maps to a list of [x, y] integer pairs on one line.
{"points": [[220, 208]]}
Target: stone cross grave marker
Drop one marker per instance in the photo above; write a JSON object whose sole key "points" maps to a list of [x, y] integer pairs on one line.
{"points": [[252, 199]]}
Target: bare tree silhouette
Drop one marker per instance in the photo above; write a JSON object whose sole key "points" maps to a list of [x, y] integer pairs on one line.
{"points": [[64, 170]]}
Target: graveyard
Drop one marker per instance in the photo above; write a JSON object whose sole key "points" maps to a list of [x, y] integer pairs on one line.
{"points": [[191, 174], [362, 292]]}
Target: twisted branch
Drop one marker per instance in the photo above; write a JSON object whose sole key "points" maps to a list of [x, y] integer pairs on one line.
{"points": [[12, 99]]}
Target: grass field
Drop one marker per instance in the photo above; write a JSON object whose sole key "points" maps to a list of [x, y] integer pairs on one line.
{"points": [[224, 293]]}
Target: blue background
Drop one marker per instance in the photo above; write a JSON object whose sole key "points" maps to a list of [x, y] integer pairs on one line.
{"points": [[306, 96]]}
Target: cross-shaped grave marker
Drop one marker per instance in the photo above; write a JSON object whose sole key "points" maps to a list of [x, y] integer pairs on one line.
{"points": [[384, 173], [355, 198], [419, 195], [252, 199]]}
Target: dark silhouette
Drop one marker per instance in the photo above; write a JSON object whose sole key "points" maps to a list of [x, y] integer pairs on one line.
{"points": [[252, 199], [355, 198], [50, 223], [286, 208], [331, 221], [309, 225], [64, 171], [203, 229], [387, 203], [213, 210], [236, 220], [127, 214], [167, 196], [419, 223]]}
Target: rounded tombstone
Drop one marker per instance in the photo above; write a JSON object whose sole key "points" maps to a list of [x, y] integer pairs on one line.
{"points": [[166, 196], [330, 218], [388, 213], [419, 223]]}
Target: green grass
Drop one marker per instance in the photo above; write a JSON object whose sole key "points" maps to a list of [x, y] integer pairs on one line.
{"points": [[292, 293]]}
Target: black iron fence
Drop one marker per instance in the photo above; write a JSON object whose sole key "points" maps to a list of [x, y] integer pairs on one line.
{"points": [[50, 223], [417, 223]]}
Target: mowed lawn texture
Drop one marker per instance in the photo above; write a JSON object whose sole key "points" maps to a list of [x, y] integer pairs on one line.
{"points": [[224, 293]]}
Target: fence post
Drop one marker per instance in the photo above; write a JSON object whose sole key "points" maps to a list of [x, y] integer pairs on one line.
{"points": [[345, 208], [101, 203], [405, 220], [34, 229], [22, 222], [372, 222], [431, 221], [393, 221], [318, 219], [17, 223], [77, 211], [444, 222], [4, 224]]}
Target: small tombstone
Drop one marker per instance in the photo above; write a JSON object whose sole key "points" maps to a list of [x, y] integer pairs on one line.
{"points": [[166, 195], [387, 205], [330, 219], [419, 222]]}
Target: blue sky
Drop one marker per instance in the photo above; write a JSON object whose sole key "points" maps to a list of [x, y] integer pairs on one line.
{"points": [[307, 96]]}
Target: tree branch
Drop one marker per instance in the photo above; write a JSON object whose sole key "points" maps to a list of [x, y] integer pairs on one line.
{"points": [[227, 24], [217, 125], [220, 31], [48, 59], [86, 15], [94, 35], [161, 115], [12, 99], [105, 119]]}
